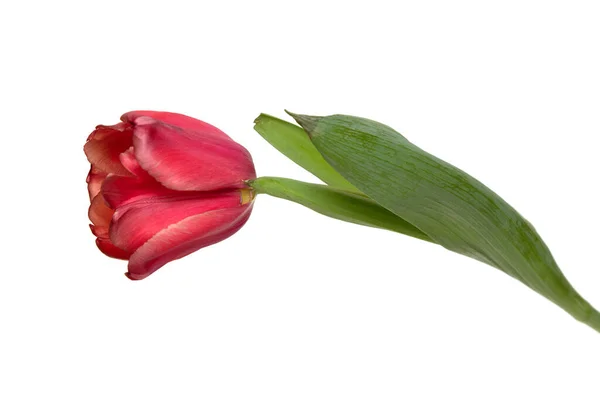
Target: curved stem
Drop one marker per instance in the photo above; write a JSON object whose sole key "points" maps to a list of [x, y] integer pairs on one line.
{"points": [[336, 203]]}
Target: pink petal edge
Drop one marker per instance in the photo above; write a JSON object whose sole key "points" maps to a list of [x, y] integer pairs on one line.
{"points": [[177, 120], [137, 222]]}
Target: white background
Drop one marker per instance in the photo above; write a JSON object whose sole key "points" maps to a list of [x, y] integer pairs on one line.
{"points": [[296, 305]]}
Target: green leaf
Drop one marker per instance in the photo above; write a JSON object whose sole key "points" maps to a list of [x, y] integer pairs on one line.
{"points": [[450, 206], [291, 141], [336, 203]]}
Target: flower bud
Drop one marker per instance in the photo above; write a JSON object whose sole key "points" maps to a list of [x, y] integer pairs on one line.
{"points": [[163, 185]]}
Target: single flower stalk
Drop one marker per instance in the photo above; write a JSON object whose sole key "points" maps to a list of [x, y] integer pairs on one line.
{"points": [[163, 185]]}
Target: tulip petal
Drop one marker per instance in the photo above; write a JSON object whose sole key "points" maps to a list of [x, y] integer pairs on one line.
{"points": [[129, 161], [105, 145], [190, 160], [137, 222], [108, 248], [99, 212], [119, 191], [94, 181], [99, 231], [179, 120], [185, 237]]}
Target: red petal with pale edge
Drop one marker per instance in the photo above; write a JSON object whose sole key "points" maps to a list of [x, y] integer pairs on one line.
{"points": [[135, 223], [190, 160], [178, 120], [185, 237], [106, 246]]}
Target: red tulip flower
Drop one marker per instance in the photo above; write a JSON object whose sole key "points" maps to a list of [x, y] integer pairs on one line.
{"points": [[164, 185]]}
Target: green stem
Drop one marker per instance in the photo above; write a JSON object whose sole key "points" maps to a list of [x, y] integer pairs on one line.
{"points": [[336, 203]]}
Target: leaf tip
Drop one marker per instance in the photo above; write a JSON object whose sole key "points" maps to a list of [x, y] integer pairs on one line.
{"points": [[261, 118], [307, 122]]}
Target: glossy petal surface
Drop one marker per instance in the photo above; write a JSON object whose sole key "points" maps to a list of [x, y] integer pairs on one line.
{"points": [[138, 222], [185, 237], [179, 120], [189, 160]]}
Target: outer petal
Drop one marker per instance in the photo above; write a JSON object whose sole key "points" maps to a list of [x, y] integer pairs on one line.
{"points": [[104, 146], [178, 120], [190, 160], [185, 237], [135, 223]]}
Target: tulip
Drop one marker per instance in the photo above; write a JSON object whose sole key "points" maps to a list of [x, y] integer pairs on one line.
{"points": [[163, 185]]}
